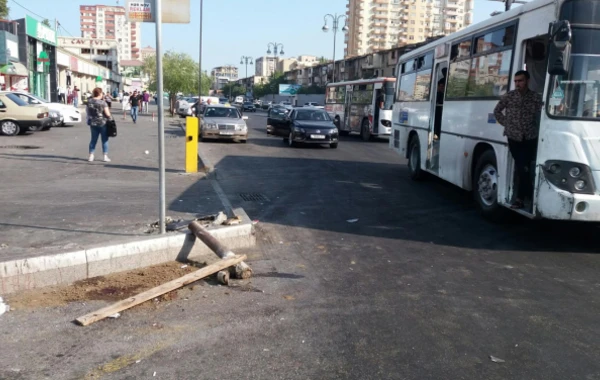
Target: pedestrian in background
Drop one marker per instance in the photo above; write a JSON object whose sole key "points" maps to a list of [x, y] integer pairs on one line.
{"points": [[108, 100], [97, 114], [135, 101], [75, 96], [125, 101], [145, 100]]}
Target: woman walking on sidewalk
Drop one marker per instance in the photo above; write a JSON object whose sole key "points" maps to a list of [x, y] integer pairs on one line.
{"points": [[97, 115]]}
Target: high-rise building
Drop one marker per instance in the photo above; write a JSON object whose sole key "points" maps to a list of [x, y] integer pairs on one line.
{"points": [[108, 22], [222, 75], [148, 51], [383, 24], [265, 66]]}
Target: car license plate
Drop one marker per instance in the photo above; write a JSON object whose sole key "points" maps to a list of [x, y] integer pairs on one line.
{"points": [[317, 137], [226, 133]]}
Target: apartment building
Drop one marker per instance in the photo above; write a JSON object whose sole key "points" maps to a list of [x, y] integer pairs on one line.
{"points": [[265, 66], [222, 75], [109, 22], [375, 25]]}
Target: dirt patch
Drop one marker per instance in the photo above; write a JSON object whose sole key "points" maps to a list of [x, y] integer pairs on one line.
{"points": [[113, 287]]}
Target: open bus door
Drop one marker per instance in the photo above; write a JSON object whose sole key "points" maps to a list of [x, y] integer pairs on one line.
{"points": [[437, 110], [346, 127]]}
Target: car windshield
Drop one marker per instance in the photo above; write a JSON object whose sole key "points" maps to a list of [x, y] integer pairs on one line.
{"points": [[38, 98], [577, 94], [248, 104], [17, 100], [286, 103], [222, 112], [315, 115]]}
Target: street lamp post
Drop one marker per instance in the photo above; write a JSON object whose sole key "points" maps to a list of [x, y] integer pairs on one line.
{"points": [[336, 20], [246, 59], [276, 46]]}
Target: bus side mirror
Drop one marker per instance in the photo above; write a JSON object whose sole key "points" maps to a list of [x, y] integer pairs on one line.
{"points": [[559, 50]]}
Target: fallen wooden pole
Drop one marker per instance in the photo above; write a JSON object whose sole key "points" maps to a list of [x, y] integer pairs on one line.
{"points": [[242, 270], [159, 290]]}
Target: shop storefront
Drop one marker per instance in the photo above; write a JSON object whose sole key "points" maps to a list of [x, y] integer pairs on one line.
{"points": [[37, 51], [13, 74]]}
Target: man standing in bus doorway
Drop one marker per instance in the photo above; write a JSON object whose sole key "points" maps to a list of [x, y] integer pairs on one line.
{"points": [[518, 112]]}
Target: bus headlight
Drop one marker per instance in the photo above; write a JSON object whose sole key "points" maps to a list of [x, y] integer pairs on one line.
{"points": [[576, 178], [386, 123]]}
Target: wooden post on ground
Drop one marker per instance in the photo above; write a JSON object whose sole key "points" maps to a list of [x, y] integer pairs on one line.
{"points": [[241, 270], [159, 290]]}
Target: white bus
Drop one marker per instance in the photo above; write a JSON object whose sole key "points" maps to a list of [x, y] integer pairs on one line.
{"points": [[557, 42], [363, 106]]}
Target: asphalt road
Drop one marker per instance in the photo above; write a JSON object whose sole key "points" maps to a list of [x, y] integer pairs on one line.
{"points": [[419, 287]]}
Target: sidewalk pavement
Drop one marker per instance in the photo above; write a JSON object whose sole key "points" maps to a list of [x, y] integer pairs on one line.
{"points": [[54, 200]]}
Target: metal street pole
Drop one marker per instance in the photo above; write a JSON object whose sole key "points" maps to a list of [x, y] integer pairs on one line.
{"points": [[200, 58], [161, 119], [336, 19], [275, 48]]}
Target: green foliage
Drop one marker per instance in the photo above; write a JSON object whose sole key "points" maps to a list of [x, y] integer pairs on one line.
{"points": [[180, 74], [47, 23], [233, 89], [4, 9], [314, 89]]}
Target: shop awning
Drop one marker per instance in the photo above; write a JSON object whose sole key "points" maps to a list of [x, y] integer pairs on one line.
{"points": [[15, 68]]}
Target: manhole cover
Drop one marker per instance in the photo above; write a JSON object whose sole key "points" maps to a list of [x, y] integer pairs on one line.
{"points": [[19, 147], [254, 197]]}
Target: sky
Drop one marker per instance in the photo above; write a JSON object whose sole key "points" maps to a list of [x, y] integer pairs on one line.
{"points": [[232, 28]]}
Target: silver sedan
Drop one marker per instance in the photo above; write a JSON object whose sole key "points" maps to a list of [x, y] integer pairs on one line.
{"points": [[221, 122]]}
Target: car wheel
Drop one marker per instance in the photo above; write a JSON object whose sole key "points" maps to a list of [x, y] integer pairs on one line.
{"points": [[290, 140], [46, 128], [333, 146], [10, 128], [243, 141], [365, 133], [414, 159], [485, 186]]}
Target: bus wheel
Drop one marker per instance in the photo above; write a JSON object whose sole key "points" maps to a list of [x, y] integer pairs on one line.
{"points": [[414, 159], [365, 133], [485, 185]]}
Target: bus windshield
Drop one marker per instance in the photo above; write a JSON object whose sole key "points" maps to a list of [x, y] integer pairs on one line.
{"points": [[577, 95], [388, 90]]}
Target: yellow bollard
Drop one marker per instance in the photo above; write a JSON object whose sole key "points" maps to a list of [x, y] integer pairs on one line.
{"points": [[191, 144]]}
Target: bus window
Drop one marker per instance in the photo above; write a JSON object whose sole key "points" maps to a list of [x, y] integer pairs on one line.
{"points": [[388, 95], [461, 50], [407, 87], [496, 39], [489, 75]]}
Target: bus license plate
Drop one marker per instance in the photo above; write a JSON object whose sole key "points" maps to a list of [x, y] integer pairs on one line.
{"points": [[317, 137], [226, 133]]}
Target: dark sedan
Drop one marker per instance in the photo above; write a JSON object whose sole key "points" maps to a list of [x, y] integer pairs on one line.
{"points": [[249, 106], [303, 125]]}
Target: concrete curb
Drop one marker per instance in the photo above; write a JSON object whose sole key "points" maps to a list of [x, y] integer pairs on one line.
{"points": [[68, 267]]}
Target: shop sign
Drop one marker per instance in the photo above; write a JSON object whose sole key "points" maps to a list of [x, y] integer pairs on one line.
{"points": [[80, 42], [39, 31], [173, 11]]}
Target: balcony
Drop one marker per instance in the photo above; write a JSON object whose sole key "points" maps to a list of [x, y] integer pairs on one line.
{"points": [[381, 1], [379, 9], [452, 5]]}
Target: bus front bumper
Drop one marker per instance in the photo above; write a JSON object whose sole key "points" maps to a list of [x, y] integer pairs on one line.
{"points": [[554, 203]]}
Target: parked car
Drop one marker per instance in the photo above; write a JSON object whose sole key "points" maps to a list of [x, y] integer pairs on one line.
{"points": [[18, 117], [303, 125], [61, 114], [248, 106], [220, 122], [313, 104], [184, 105], [223, 100]]}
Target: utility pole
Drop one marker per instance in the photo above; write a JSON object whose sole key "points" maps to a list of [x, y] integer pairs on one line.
{"points": [[200, 59]]}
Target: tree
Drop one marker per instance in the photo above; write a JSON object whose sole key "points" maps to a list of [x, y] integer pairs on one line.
{"points": [[4, 9], [180, 75], [323, 60], [47, 23], [233, 89]]}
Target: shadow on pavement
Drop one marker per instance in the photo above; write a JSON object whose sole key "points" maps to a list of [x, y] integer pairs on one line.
{"points": [[432, 211], [62, 159]]}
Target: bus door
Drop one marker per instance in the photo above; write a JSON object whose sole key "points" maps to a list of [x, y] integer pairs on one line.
{"points": [[379, 100], [435, 121], [347, 106]]}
